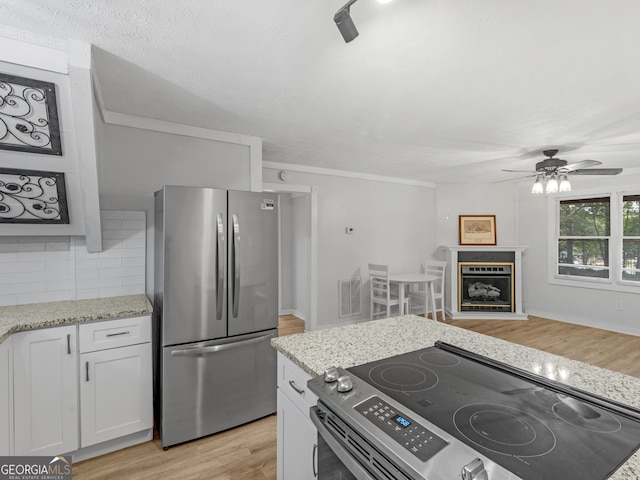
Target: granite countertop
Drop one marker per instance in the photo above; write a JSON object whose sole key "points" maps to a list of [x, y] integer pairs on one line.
{"points": [[16, 318], [351, 345]]}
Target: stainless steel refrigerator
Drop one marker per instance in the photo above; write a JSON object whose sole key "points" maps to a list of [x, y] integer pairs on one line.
{"points": [[215, 308]]}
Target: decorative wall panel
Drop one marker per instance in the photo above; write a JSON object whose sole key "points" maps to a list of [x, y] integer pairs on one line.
{"points": [[31, 196], [28, 116]]}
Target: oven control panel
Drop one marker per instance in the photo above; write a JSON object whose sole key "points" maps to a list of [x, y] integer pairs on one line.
{"points": [[417, 439]]}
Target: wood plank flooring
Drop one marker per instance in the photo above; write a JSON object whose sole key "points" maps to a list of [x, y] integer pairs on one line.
{"points": [[248, 452]]}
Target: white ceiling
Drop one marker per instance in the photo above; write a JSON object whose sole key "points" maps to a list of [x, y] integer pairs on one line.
{"points": [[431, 90]]}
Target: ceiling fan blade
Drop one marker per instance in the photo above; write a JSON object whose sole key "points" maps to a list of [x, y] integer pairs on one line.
{"points": [[596, 171], [519, 171], [515, 178], [578, 165]]}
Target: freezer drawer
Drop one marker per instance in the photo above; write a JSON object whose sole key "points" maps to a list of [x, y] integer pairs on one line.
{"points": [[211, 386]]}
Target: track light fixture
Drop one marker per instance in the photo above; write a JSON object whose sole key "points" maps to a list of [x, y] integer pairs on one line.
{"points": [[345, 23]]}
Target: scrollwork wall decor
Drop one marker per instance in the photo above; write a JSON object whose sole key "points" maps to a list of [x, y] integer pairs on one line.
{"points": [[28, 116], [31, 196]]}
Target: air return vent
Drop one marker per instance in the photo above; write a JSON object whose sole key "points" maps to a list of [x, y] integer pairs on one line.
{"points": [[349, 296]]}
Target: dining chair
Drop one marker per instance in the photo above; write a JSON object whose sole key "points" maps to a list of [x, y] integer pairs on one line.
{"points": [[420, 296], [381, 295]]}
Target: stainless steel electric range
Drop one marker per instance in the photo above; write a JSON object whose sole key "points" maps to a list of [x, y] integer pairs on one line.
{"points": [[443, 413]]}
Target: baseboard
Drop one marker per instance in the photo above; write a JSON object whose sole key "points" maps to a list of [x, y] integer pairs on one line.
{"points": [[112, 445]]}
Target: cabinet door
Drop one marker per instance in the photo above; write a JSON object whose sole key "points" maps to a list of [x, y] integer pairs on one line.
{"points": [[45, 391], [115, 393], [297, 440], [6, 397]]}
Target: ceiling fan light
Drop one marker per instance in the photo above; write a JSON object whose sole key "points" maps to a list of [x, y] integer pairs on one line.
{"points": [[565, 186], [552, 185], [537, 186]]}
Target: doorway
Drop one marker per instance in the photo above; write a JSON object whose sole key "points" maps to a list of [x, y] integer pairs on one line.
{"points": [[297, 251]]}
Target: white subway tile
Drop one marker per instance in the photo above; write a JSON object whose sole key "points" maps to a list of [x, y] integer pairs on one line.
{"points": [[42, 297], [7, 278], [134, 262], [122, 215], [134, 224], [111, 224], [102, 283], [6, 257], [8, 300], [8, 247], [31, 247], [23, 267], [86, 274], [110, 262], [133, 280], [83, 263], [58, 285], [84, 293], [57, 246], [21, 288], [109, 243], [133, 242], [61, 265], [123, 253]]}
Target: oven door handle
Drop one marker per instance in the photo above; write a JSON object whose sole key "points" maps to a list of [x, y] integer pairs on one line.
{"points": [[353, 465]]}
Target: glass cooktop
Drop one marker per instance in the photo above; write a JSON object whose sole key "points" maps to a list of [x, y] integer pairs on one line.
{"points": [[534, 428]]}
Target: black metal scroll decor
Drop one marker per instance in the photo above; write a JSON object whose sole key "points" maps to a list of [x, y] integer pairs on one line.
{"points": [[28, 116], [31, 196]]}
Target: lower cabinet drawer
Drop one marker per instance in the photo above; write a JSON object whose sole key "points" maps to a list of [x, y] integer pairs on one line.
{"points": [[114, 333], [292, 382]]}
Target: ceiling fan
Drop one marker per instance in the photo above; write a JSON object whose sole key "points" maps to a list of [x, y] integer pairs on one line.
{"points": [[552, 169]]}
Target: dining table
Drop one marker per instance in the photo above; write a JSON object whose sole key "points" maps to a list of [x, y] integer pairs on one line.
{"points": [[404, 280]]}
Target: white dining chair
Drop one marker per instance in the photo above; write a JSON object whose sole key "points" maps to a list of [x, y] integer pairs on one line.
{"points": [[419, 297], [381, 295]]}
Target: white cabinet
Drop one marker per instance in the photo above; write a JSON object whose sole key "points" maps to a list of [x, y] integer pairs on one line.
{"points": [[45, 364], [6, 398], [115, 379], [297, 436]]}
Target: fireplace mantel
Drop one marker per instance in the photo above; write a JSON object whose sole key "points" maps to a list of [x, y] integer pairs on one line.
{"points": [[451, 288]]}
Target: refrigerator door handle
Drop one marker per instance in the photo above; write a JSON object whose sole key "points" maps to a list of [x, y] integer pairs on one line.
{"points": [[236, 264], [221, 264], [190, 352]]}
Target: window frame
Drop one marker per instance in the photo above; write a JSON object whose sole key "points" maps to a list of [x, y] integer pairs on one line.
{"points": [[615, 281], [621, 196]]}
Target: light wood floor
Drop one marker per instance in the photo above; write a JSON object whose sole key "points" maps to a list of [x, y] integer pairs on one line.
{"points": [[249, 452]]}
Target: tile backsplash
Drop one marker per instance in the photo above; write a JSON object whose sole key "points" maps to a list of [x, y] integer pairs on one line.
{"points": [[48, 269]]}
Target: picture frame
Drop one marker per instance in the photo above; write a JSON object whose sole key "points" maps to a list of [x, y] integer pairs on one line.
{"points": [[31, 124], [477, 229]]}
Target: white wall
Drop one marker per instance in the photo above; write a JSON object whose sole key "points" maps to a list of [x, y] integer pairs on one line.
{"points": [[393, 224], [497, 199], [38, 269]]}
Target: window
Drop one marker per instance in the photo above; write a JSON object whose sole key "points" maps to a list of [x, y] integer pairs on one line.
{"points": [[597, 240], [631, 237], [584, 234]]}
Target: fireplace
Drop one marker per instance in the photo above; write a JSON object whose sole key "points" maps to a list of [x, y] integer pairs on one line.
{"points": [[486, 282], [481, 268]]}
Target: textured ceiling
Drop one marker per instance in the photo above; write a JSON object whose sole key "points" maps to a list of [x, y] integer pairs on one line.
{"points": [[431, 90]]}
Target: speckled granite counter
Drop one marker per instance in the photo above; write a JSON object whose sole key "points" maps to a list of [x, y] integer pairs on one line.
{"points": [[53, 314], [351, 345]]}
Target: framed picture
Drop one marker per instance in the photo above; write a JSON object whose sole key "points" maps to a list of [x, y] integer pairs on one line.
{"points": [[477, 229], [32, 196], [28, 116]]}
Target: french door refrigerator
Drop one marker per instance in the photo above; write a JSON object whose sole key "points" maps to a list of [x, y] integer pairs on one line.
{"points": [[216, 309]]}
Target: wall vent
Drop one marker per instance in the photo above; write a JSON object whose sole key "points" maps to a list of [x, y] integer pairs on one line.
{"points": [[349, 296]]}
